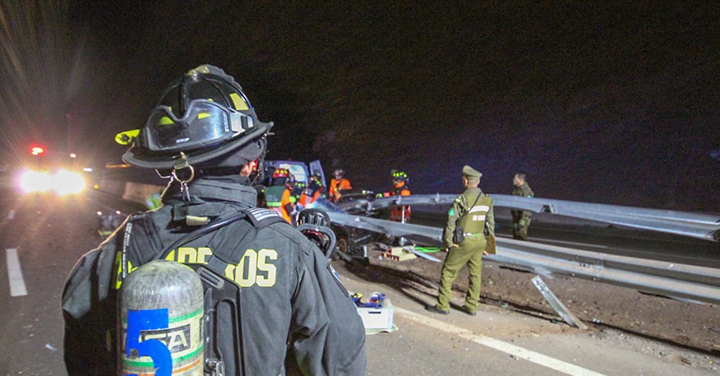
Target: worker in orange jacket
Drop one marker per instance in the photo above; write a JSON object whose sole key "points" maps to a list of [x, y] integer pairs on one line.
{"points": [[338, 184], [278, 195], [400, 183], [311, 193]]}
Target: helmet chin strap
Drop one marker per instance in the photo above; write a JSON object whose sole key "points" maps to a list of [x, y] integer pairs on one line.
{"points": [[179, 165]]}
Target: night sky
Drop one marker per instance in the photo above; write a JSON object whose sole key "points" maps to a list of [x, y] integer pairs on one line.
{"points": [[609, 102]]}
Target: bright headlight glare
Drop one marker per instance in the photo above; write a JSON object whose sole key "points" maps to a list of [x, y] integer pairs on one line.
{"points": [[31, 181], [66, 183]]}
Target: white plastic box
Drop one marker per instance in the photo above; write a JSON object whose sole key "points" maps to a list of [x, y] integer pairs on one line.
{"points": [[377, 318]]}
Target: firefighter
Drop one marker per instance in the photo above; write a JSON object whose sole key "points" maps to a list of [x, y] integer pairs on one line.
{"points": [[400, 182], [295, 313], [338, 184], [278, 197], [311, 193]]}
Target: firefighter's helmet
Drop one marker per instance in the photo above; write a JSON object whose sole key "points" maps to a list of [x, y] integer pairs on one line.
{"points": [[400, 178], [202, 117], [281, 173]]}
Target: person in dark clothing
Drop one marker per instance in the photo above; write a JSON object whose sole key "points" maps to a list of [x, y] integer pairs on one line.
{"points": [[521, 218], [295, 315]]}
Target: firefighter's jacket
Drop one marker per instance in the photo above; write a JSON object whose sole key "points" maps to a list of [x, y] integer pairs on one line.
{"points": [[336, 186], [399, 213], [278, 199], [290, 294]]}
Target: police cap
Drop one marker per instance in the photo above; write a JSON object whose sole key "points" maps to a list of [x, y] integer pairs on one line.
{"points": [[471, 173]]}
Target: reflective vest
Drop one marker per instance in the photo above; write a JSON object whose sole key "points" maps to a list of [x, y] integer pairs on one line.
{"points": [[277, 197], [400, 213], [474, 221], [338, 185]]}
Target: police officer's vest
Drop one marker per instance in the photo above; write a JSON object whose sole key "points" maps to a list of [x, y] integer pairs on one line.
{"points": [[474, 220]]}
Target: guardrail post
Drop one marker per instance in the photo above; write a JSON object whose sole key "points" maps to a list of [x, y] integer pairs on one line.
{"points": [[557, 305]]}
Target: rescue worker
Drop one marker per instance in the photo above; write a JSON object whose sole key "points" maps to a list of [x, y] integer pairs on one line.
{"points": [[470, 216], [400, 182], [521, 218], [298, 188], [338, 184], [311, 192], [278, 197], [205, 132]]}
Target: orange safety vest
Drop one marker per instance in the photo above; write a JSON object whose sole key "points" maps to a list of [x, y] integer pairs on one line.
{"points": [[306, 200], [279, 206], [336, 186], [396, 213]]}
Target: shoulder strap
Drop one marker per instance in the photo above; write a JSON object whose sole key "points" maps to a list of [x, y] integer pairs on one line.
{"points": [[471, 206]]}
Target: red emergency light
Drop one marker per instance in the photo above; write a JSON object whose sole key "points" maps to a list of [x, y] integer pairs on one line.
{"points": [[36, 150]]}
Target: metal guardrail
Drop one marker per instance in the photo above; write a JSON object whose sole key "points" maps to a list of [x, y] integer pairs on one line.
{"points": [[658, 277], [696, 225]]}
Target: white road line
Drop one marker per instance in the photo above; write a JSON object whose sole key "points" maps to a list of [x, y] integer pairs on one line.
{"points": [[559, 241], [11, 214], [519, 352], [17, 284]]}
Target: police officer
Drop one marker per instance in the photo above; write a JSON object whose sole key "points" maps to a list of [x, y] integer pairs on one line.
{"points": [[521, 218], [469, 217], [204, 132]]}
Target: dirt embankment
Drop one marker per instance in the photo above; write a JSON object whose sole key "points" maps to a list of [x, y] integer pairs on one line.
{"points": [[596, 304]]}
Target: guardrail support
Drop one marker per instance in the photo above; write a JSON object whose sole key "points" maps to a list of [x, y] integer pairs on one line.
{"points": [[557, 305]]}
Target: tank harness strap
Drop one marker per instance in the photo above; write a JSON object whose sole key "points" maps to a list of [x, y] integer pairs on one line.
{"points": [[128, 227]]}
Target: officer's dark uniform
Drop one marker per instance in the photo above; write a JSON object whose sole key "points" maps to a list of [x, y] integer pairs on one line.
{"points": [[521, 218], [477, 209], [291, 301]]}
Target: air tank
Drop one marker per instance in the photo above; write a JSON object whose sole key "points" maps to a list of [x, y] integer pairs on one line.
{"points": [[161, 308]]}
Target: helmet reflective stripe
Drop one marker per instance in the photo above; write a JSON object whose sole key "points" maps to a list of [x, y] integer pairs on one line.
{"points": [[239, 102], [125, 138]]}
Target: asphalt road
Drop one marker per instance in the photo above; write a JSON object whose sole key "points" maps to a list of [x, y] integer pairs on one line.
{"points": [[42, 237]]}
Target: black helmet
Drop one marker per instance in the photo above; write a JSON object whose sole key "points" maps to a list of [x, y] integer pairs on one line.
{"points": [[203, 116]]}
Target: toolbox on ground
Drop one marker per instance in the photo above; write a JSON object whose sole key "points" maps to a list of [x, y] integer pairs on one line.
{"points": [[376, 316]]}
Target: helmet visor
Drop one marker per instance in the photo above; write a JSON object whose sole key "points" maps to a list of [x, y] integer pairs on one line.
{"points": [[204, 123]]}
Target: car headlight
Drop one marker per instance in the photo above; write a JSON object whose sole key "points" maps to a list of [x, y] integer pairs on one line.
{"points": [[33, 181], [66, 182], [62, 182]]}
